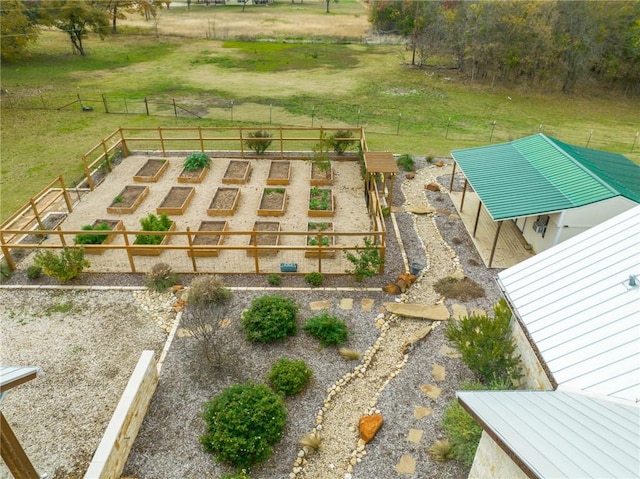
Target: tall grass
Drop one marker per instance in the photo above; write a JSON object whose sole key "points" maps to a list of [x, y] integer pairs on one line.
{"points": [[403, 109]]}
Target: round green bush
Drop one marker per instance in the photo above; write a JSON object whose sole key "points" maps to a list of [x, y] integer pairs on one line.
{"points": [[209, 289], [328, 329], [314, 278], [289, 376], [243, 422], [274, 280], [34, 272], [270, 318]]}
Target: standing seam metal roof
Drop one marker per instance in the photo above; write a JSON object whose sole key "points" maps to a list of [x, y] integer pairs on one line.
{"points": [[538, 174]]}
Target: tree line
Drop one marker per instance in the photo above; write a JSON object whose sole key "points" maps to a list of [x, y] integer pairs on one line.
{"points": [[550, 44]]}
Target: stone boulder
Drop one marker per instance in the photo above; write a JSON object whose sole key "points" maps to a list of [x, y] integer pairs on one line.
{"points": [[369, 426], [433, 187]]}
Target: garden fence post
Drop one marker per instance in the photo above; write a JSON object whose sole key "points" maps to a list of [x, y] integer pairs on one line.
{"points": [[589, 139], [35, 213], [61, 234], [65, 193], [146, 105], [7, 253], [175, 110], [446, 135], [634, 141], [87, 173], [201, 140], [192, 253], [104, 102], [128, 249], [254, 237]]}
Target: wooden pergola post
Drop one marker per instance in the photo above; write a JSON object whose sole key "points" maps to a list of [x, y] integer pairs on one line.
{"points": [[453, 175], [12, 453], [495, 243], [464, 192], [475, 226]]}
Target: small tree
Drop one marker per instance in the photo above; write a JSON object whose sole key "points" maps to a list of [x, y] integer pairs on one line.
{"points": [[204, 322], [340, 141], [366, 261], [259, 141]]}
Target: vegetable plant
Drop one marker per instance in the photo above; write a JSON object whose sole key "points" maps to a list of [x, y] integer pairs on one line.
{"points": [[153, 223], [196, 161], [89, 238], [320, 199]]}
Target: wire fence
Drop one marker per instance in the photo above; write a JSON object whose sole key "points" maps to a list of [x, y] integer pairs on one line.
{"points": [[465, 131]]}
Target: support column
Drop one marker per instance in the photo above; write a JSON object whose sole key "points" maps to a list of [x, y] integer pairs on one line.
{"points": [[495, 243], [12, 453]]}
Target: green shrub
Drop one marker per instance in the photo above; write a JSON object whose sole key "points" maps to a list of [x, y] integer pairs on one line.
{"points": [[64, 267], [243, 422], [340, 141], [259, 141], [5, 271], [196, 161], [463, 432], [92, 238], [366, 261], [161, 277], [486, 345], [288, 377], [34, 272], [236, 475], [461, 289], [274, 280], [209, 289], [270, 318], [407, 162], [329, 330], [314, 278], [153, 223]]}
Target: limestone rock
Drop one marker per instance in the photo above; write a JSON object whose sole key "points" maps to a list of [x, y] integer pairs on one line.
{"points": [[406, 465], [433, 312], [420, 411], [410, 175], [421, 210], [369, 426], [440, 164], [432, 187], [431, 391]]}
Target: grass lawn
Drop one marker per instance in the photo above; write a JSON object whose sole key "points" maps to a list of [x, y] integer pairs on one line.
{"points": [[404, 110]]}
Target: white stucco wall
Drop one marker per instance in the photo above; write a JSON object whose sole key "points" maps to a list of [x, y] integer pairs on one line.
{"points": [[492, 462], [534, 375]]}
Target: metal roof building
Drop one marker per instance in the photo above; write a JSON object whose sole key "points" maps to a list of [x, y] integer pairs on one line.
{"points": [[539, 174], [577, 307], [551, 434]]}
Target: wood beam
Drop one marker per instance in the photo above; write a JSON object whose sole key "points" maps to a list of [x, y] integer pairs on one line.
{"points": [[453, 175], [495, 243], [464, 192], [475, 226], [12, 453]]}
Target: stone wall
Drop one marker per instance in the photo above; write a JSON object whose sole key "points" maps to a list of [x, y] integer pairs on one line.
{"points": [[534, 375], [110, 457], [492, 461]]}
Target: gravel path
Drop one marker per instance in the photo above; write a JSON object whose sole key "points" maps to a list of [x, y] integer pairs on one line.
{"points": [[168, 447]]}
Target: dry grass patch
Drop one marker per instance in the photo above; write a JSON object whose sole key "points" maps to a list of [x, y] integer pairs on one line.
{"points": [[460, 289]]}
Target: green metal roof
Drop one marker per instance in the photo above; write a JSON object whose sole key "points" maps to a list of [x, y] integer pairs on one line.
{"points": [[539, 174]]}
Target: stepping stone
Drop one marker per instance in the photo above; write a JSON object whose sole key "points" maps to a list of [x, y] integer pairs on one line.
{"points": [[184, 333], [420, 411], [478, 311], [346, 303], [433, 312], [421, 210], [459, 311], [431, 391], [318, 305], [438, 372], [396, 209], [367, 304], [449, 352], [416, 337], [406, 465], [225, 323], [415, 435]]}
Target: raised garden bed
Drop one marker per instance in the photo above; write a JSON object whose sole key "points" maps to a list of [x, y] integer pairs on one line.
{"points": [[319, 176], [154, 251], [238, 172], [151, 171], [325, 240], [192, 176], [224, 202], [128, 199], [273, 202], [176, 201], [321, 202], [92, 248], [212, 239], [265, 240], [279, 172]]}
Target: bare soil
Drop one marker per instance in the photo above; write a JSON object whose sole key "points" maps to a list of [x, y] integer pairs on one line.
{"points": [[272, 200], [176, 197], [266, 240], [279, 170], [150, 168], [237, 170], [191, 174], [209, 226], [129, 196], [224, 199]]}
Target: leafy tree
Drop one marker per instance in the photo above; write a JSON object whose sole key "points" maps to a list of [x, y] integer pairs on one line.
{"points": [[76, 18], [118, 10], [16, 28]]}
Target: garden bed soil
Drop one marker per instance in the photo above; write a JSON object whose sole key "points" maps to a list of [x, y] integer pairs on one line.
{"points": [[176, 201], [265, 239], [151, 171], [192, 176], [224, 202], [114, 225], [273, 202], [314, 228], [318, 194], [320, 177], [238, 172], [131, 197], [211, 240], [279, 172]]}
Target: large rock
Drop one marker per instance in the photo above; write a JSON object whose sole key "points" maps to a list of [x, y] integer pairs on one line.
{"points": [[433, 187], [420, 210], [434, 312], [369, 426]]}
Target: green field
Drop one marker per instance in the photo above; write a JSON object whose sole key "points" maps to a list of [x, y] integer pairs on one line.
{"points": [[404, 110]]}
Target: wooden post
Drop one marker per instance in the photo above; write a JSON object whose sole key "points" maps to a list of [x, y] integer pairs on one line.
{"points": [[128, 250], [391, 176], [104, 102], [106, 156], [495, 243], [464, 192], [201, 140], [123, 142], [146, 105], [453, 175], [65, 193], [35, 212], [475, 227], [319, 238], [241, 145], [6, 253], [193, 256], [13, 455], [281, 145], [254, 235], [175, 110], [61, 234], [87, 173], [164, 153]]}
